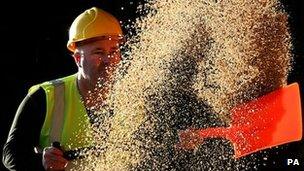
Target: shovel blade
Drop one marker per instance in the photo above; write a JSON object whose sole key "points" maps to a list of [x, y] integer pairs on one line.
{"points": [[268, 121]]}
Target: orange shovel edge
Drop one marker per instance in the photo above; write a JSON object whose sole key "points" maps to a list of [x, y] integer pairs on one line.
{"points": [[268, 121]]}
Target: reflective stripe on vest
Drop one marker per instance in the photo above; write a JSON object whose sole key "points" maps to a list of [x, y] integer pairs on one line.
{"points": [[58, 111]]}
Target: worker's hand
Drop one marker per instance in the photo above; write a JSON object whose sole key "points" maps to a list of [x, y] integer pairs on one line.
{"points": [[52, 159]]}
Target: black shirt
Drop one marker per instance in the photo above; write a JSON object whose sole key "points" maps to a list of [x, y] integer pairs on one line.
{"points": [[18, 151]]}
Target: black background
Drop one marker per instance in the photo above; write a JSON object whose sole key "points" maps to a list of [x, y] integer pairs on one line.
{"points": [[33, 40]]}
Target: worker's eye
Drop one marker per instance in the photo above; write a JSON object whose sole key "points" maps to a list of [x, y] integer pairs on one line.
{"points": [[115, 52], [100, 53]]}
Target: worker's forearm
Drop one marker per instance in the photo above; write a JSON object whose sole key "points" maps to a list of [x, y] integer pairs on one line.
{"points": [[8, 157], [20, 157]]}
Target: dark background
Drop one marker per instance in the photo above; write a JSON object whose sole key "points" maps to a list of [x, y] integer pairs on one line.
{"points": [[33, 45]]}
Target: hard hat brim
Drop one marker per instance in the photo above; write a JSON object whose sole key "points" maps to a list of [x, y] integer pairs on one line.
{"points": [[72, 45]]}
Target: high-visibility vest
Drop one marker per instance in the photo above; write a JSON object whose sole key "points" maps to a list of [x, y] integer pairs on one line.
{"points": [[66, 119]]}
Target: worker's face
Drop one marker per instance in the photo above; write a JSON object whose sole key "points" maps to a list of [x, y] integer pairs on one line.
{"points": [[97, 60]]}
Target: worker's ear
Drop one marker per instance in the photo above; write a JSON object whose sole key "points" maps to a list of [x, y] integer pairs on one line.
{"points": [[76, 57]]}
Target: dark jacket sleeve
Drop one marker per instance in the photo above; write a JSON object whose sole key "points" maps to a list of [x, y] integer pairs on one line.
{"points": [[18, 151]]}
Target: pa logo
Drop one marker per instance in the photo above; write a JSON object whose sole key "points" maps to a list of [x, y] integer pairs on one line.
{"points": [[293, 162]]}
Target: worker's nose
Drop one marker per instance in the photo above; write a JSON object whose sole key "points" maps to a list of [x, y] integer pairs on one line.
{"points": [[106, 59]]}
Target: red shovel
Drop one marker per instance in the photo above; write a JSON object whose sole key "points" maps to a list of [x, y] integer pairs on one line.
{"points": [[265, 122]]}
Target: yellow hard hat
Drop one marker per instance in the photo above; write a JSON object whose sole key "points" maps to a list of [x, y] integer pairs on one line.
{"points": [[92, 23]]}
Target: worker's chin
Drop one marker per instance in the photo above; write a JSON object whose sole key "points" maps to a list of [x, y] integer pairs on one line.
{"points": [[101, 80]]}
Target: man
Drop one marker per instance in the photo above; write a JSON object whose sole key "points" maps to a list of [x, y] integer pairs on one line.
{"points": [[61, 110]]}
